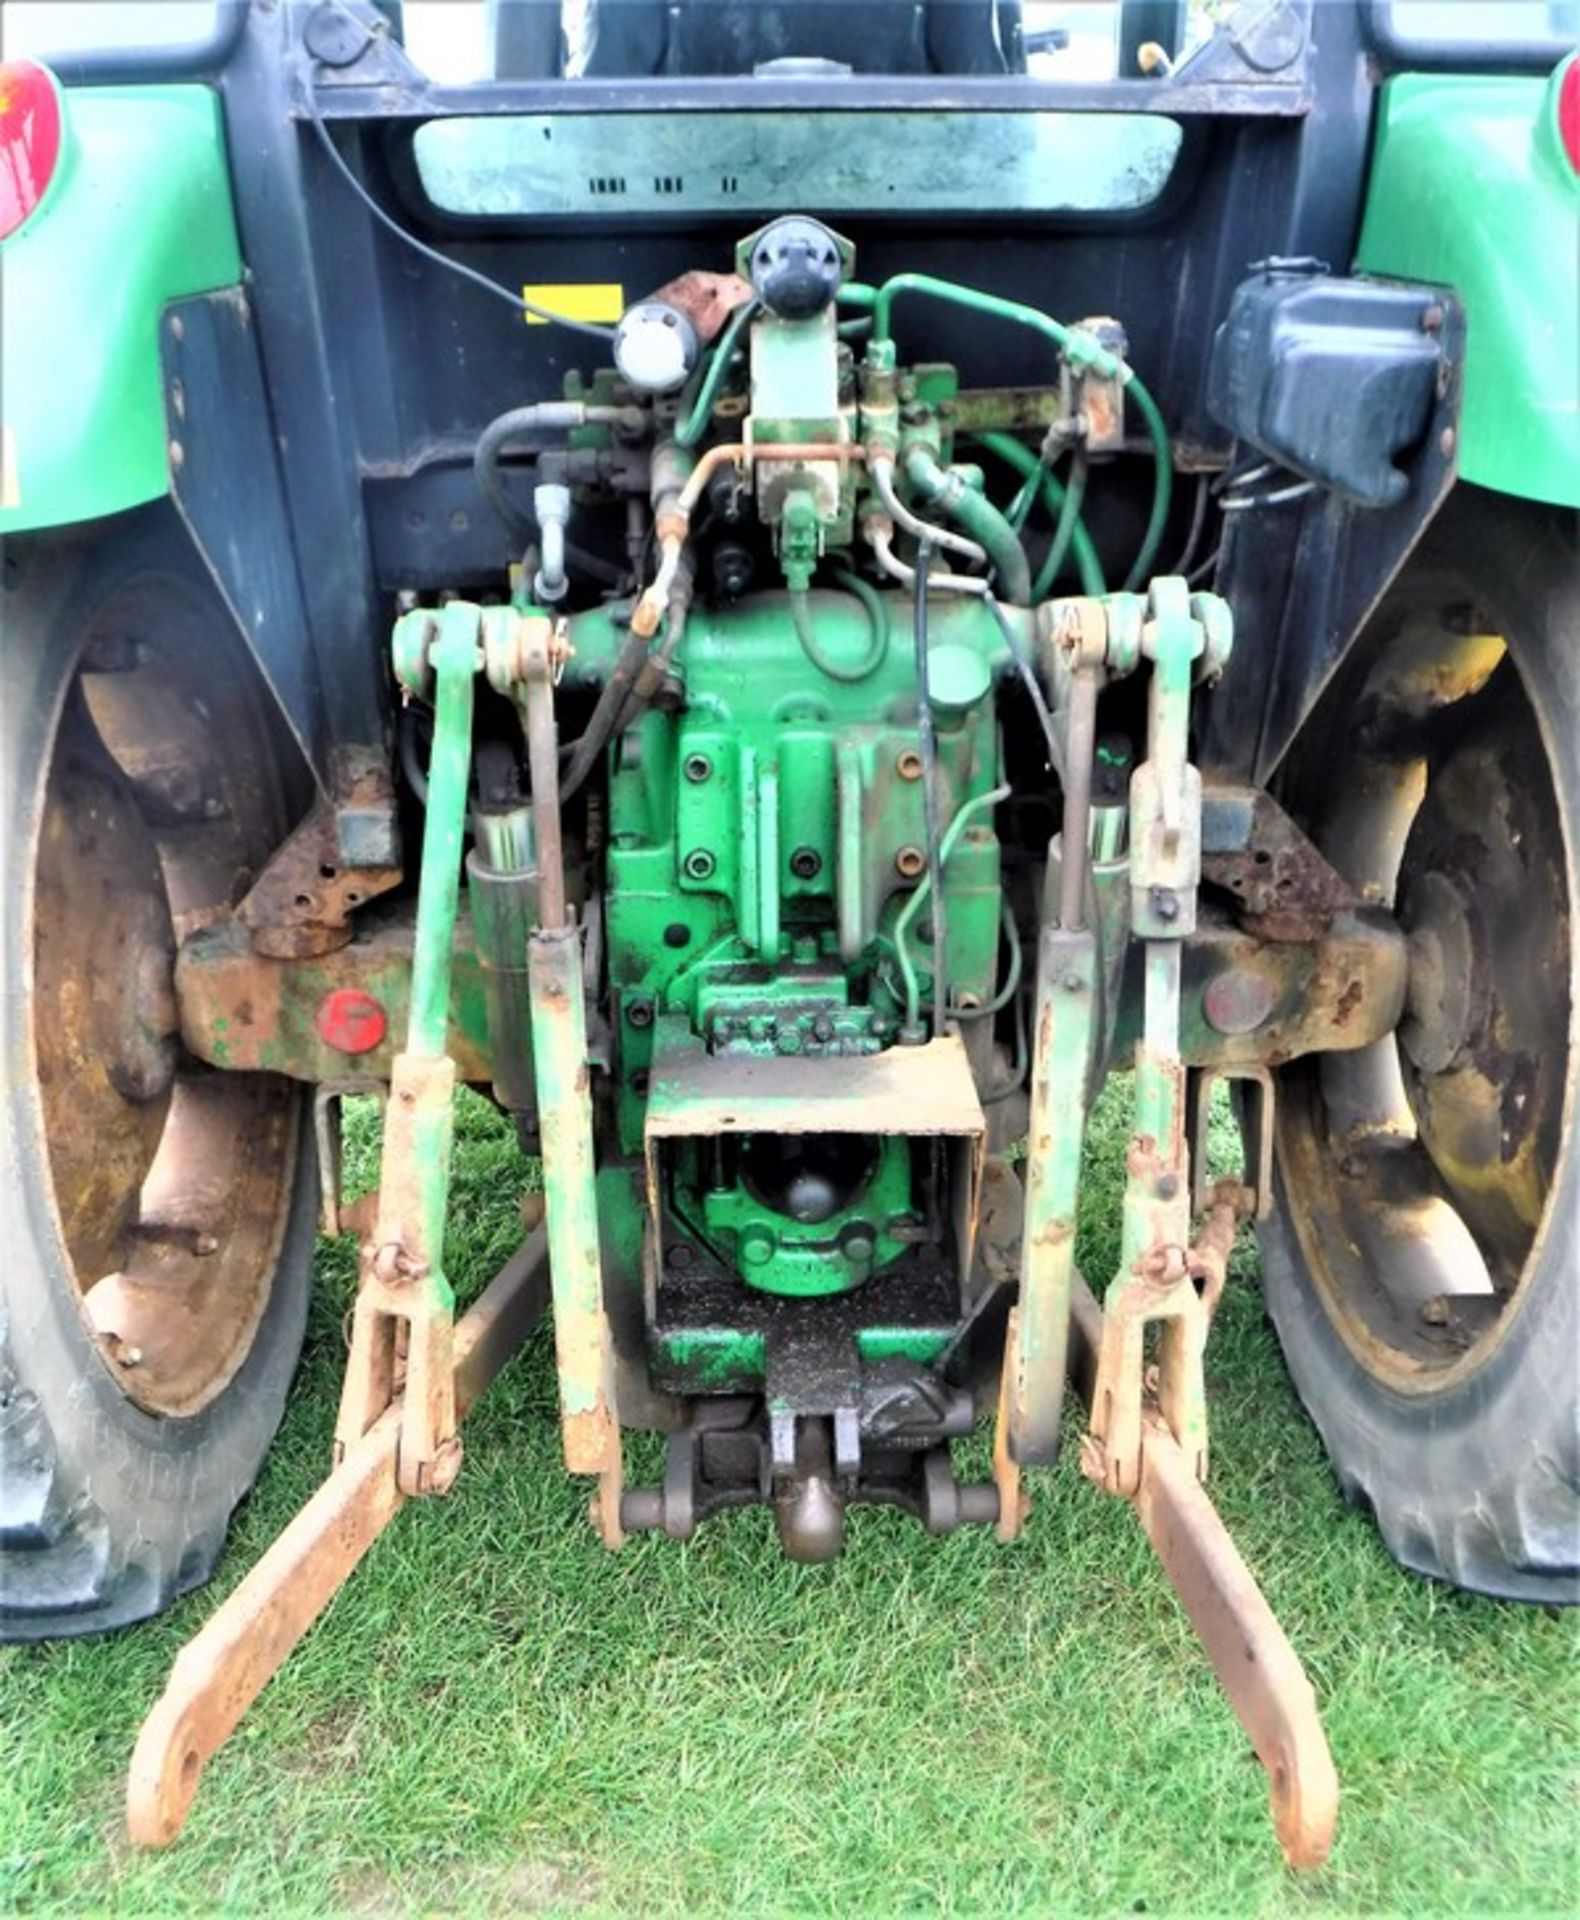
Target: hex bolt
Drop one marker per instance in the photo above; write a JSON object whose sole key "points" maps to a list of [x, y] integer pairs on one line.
{"points": [[699, 864], [1164, 904], [1434, 1311], [909, 862], [698, 767], [639, 1012], [909, 764], [806, 863]]}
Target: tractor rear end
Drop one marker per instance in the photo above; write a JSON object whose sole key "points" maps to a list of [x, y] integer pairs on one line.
{"points": [[787, 724]]}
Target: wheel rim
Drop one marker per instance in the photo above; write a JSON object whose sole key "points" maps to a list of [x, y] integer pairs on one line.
{"points": [[170, 1182], [1417, 1171]]}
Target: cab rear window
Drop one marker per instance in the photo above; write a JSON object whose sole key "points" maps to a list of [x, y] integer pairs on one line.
{"points": [[566, 164]]}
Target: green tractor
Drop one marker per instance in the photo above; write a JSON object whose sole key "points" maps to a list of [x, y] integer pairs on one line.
{"points": [[783, 590]]}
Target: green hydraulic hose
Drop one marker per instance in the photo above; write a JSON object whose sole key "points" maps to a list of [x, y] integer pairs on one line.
{"points": [[691, 429], [1058, 497], [978, 516], [1064, 527], [878, 620], [1163, 485], [957, 826], [1078, 347], [1011, 985]]}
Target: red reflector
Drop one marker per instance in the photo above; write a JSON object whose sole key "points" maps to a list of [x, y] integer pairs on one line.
{"points": [[1569, 112], [29, 140], [351, 1021]]}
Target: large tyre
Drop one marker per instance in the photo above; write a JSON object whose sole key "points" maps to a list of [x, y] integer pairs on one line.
{"points": [[1423, 1268], [158, 1216]]}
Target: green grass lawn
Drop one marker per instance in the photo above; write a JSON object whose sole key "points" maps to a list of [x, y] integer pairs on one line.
{"points": [[497, 1715]]}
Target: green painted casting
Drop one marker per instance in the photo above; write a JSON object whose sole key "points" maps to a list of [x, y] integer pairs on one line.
{"points": [[778, 1254]]}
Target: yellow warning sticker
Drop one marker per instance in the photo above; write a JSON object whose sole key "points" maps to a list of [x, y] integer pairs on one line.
{"points": [[601, 301], [10, 486]]}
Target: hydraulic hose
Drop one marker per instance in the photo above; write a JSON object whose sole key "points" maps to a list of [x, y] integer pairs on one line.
{"points": [[878, 621], [927, 740], [879, 536], [1058, 497], [611, 702], [880, 467], [690, 430], [1081, 350], [980, 518], [524, 428], [1163, 483], [963, 818], [1011, 986]]}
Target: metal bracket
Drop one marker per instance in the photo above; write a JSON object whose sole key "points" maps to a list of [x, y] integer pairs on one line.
{"points": [[1256, 1126], [301, 905]]}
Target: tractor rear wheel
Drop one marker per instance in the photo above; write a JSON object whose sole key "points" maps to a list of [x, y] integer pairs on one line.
{"points": [[159, 1214], [1423, 1268]]}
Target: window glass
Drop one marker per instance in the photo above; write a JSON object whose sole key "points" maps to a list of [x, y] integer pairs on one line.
{"points": [[74, 26], [554, 165], [1488, 21]]}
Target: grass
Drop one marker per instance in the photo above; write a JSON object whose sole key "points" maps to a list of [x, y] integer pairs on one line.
{"points": [[499, 1716]]}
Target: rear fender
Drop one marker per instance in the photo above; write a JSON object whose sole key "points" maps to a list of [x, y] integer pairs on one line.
{"points": [[1471, 189], [139, 215]]}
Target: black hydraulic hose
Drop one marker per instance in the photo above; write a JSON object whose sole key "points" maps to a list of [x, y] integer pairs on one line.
{"points": [[514, 429], [928, 742], [605, 715], [1028, 679], [491, 443]]}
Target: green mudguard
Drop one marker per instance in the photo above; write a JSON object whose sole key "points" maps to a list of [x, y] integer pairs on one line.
{"points": [[138, 215], [1471, 189]]}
